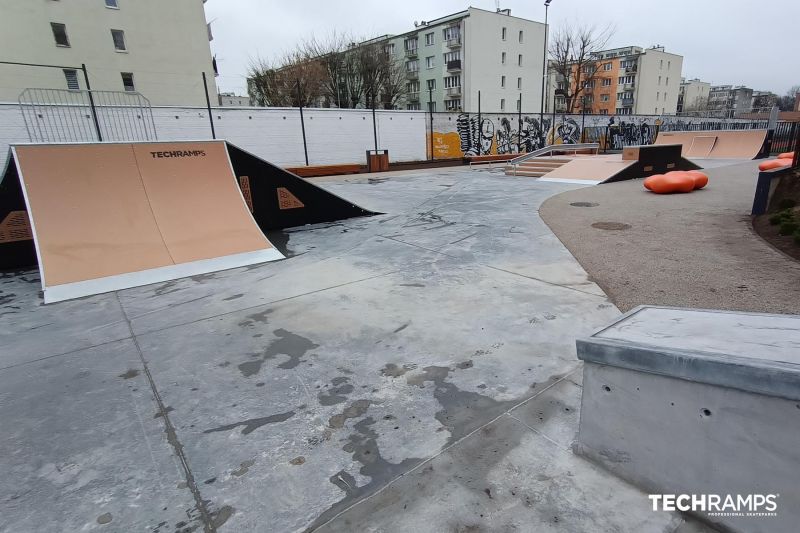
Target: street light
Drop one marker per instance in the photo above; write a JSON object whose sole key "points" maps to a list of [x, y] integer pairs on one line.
{"points": [[544, 64]]}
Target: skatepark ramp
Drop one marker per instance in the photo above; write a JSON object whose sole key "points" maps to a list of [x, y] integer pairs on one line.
{"points": [[99, 217], [716, 144]]}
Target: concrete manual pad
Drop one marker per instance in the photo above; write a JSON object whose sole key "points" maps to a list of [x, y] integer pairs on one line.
{"points": [[298, 389]]}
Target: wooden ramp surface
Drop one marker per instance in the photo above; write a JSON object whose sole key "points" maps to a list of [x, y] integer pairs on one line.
{"points": [[112, 216], [716, 144]]}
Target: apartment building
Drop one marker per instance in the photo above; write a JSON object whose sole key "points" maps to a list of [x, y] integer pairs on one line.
{"points": [[450, 59], [154, 47], [728, 100], [693, 95], [628, 80]]}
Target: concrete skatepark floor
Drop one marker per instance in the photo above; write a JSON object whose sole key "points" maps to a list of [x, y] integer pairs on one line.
{"points": [[413, 370], [686, 250]]}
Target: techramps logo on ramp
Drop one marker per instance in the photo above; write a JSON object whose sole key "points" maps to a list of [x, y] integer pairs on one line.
{"points": [[178, 153], [718, 505]]}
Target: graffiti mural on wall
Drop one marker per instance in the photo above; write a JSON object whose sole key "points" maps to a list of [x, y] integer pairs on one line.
{"points": [[457, 135]]}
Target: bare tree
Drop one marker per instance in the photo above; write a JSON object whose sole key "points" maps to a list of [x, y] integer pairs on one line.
{"points": [[575, 60], [293, 82], [786, 102]]}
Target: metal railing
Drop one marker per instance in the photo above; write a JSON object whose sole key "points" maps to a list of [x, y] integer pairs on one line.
{"points": [[65, 115], [549, 149]]}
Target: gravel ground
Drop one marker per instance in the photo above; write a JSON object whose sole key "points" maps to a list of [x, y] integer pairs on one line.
{"points": [[695, 250]]}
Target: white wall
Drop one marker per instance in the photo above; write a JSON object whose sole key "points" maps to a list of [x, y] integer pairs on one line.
{"points": [[483, 69], [167, 47], [659, 74], [333, 135]]}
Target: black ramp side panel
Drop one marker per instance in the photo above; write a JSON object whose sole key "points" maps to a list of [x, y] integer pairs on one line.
{"points": [[17, 249], [281, 199]]}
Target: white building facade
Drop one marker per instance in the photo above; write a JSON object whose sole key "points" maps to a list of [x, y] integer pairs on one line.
{"points": [[450, 59], [155, 47]]}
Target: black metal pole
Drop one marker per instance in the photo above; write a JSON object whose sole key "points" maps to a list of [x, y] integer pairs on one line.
{"points": [[544, 63], [374, 126], [91, 102], [480, 127], [302, 121], [553, 125], [583, 116], [519, 125], [430, 110], [208, 106]]}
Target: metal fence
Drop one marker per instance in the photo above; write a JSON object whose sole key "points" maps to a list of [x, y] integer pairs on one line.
{"points": [[61, 115]]}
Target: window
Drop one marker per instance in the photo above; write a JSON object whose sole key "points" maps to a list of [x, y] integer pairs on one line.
{"points": [[452, 56], [607, 66], [604, 98], [112, 4], [389, 48], [453, 104], [60, 34], [606, 82], [659, 80], [502, 104], [412, 86], [413, 107], [519, 60], [502, 81], [431, 84], [412, 66], [669, 65], [666, 82], [432, 107], [429, 39], [452, 33], [127, 81], [503, 34], [519, 83], [520, 35], [657, 96], [430, 61], [503, 58], [665, 96], [655, 112], [604, 111], [519, 105], [589, 84], [661, 64], [119, 40], [72, 79], [452, 81], [411, 45]]}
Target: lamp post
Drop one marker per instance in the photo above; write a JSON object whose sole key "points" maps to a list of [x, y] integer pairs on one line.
{"points": [[544, 63]]}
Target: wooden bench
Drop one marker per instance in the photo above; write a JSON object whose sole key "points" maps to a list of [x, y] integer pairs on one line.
{"points": [[325, 170]]}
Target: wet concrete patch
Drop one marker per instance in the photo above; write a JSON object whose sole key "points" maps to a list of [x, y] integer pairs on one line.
{"points": [[337, 393], [289, 344], [354, 410], [252, 424]]}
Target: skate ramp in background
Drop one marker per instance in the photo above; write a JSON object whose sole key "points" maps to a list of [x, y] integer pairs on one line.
{"points": [[716, 144], [111, 216]]}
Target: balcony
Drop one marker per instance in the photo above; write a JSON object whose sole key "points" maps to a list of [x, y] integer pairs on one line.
{"points": [[627, 102], [413, 97], [411, 52], [634, 68], [454, 66], [455, 42], [453, 92], [628, 86], [412, 74]]}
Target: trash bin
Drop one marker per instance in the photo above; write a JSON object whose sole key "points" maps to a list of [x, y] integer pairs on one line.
{"points": [[377, 160]]}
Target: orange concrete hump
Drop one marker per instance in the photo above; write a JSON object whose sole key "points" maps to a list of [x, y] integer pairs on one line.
{"points": [[115, 215], [716, 144]]}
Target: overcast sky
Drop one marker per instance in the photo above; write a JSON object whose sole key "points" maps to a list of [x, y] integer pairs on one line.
{"points": [[738, 42]]}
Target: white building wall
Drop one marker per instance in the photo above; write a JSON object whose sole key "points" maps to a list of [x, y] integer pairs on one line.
{"points": [[659, 75], [333, 135], [695, 95], [483, 67], [167, 47]]}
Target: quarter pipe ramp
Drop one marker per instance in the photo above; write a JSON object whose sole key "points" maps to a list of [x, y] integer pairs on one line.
{"points": [[108, 216], [716, 144]]}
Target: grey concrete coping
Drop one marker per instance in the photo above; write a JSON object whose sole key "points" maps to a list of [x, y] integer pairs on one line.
{"points": [[754, 352]]}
